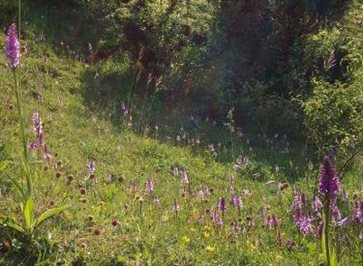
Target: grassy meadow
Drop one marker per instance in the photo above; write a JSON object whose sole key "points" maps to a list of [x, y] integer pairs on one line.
{"points": [[159, 184]]}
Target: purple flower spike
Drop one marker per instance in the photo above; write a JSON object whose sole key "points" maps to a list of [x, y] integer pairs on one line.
{"points": [[329, 180], [336, 214], [91, 166], [297, 206], [184, 177], [272, 222], [305, 225], [32, 146], [46, 154], [222, 205], [38, 129], [39, 134], [12, 47], [216, 218], [149, 186], [236, 201], [316, 204], [289, 244], [358, 212], [319, 230]]}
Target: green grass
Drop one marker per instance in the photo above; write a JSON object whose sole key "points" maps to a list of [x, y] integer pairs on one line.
{"points": [[81, 122]]}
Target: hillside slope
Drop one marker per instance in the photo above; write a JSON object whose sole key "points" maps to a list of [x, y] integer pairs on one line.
{"points": [[116, 215]]}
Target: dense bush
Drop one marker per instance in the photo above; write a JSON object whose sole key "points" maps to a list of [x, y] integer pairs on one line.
{"points": [[334, 109], [334, 115], [154, 33]]}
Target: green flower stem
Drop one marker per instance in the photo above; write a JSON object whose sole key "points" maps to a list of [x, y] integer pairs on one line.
{"points": [[19, 19], [326, 231], [23, 134]]}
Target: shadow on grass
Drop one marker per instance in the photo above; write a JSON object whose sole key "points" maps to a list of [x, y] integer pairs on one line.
{"points": [[183, 121], [104, 94]]}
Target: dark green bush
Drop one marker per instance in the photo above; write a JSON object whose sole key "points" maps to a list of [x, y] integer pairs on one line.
{"points": [[8, 12], [334, 110]]}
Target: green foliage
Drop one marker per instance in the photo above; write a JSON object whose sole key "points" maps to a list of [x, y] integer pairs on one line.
{"points": [[8, 11], [334, 115], [163, 28], [334, 109]]}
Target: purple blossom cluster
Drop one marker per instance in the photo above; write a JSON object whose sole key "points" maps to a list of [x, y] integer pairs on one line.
{"points": [[91, 166], [303, 221], [358, 212], [217, 220], [184, 177], [316, 204], [221, 205], [149, 186], [39, 135], [12, 47], [38, 128], [329, 181], [236, 201], [272, 221], [305, 224], [329, 184], [357, 215], [319, 229]]}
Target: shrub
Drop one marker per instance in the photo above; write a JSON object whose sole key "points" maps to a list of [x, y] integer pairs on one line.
{"points": [[334, 110], [334, 115]]}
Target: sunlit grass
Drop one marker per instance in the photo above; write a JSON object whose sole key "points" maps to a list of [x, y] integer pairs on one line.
{"points": [[111, 220]]}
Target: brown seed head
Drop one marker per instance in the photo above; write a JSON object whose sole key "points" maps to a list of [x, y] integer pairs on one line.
{"points": [[97, 232]]}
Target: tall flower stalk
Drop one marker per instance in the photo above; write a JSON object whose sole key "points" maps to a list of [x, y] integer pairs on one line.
{"points": [[30, 223], [328, 188], [12, 53]]}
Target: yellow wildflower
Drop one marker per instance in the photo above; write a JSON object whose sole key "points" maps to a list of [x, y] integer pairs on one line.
{"points": [[210, 248], [251, 246], [207, 228], [185, 239]]}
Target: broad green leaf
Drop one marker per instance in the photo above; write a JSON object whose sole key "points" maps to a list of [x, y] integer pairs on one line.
{"points": [[48, 214], [14, 226], [28, 213]]}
